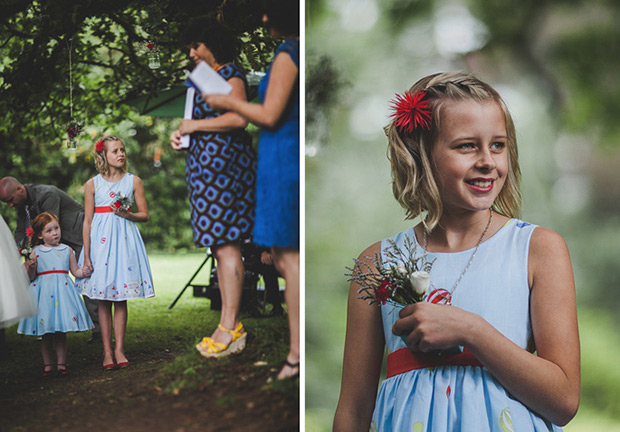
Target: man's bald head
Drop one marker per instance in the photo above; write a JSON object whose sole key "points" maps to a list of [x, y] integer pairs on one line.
{"points": [[12, 191]]}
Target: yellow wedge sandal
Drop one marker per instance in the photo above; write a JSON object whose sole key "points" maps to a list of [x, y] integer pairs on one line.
{"points": [[211, 349]]}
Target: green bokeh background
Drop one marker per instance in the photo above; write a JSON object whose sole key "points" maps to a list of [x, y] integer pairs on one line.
{"points": [[548, 60]]}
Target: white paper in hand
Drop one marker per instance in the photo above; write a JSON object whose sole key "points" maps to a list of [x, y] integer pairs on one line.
{"points": [[207, 81], [189, 107]]}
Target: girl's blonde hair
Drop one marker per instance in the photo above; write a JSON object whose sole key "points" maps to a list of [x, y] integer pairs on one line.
{"points": [[413, 179], [38, 225], [101, 162]]}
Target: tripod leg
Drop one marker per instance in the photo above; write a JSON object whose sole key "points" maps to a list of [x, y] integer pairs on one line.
{"points": [[189, 283]]}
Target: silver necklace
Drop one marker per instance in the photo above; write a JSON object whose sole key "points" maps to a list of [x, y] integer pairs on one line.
{"points": [[444, 296]]}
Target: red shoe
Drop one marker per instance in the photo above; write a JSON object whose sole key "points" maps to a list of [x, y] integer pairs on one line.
{"points": [[64, 371], [47, 373], [124, 364], [109, 367]]}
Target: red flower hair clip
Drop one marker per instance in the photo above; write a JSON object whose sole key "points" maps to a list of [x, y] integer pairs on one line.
{"points": [[411, 111], [99, 145], [29, 232]]}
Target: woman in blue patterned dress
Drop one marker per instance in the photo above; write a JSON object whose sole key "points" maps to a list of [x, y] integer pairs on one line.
{"points": [[220, 173], [277, 186], [501, 290]]}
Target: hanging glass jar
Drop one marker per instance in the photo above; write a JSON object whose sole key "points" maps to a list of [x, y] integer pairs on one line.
{"points": [[154, 62]]}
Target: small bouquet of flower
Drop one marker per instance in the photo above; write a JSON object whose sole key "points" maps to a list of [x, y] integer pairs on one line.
{"points": [[25, 249], [120, 201], [402, 277]]}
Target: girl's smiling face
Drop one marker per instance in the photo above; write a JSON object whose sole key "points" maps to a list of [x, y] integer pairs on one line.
{"points": [[470, 156], [51, 234], [115, 154]]}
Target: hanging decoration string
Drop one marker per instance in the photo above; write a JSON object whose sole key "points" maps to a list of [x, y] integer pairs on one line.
{"points": [[70, 43], [74, 127]]}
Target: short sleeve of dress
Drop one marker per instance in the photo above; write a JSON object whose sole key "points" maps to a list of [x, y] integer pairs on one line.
{"points": [[291, 47]]}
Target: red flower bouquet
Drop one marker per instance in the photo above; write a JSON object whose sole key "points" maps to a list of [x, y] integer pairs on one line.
{"points": [[120, 201]]}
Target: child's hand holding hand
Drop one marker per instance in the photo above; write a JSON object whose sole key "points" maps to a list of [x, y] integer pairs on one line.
{"points": [[86, 271], [87, 264]]}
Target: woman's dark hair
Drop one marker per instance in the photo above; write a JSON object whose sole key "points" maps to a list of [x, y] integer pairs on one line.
{"points": [[283, 15], [220, 40]]}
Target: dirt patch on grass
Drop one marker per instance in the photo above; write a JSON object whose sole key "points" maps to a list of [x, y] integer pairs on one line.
{"points": [[230, 394]]}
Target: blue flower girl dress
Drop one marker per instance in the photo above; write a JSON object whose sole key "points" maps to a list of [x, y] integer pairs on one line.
{"points": [[121, 268], [449, 396]]}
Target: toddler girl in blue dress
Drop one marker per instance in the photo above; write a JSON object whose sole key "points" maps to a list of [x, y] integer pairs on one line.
{"points": [[500, 289], [61, 309], [113, 247]]}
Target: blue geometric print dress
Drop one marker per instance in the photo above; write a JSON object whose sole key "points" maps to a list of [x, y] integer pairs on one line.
{"points": [[466, 398], [61, 309], [221, 177], [121, 268], [277, 186]]}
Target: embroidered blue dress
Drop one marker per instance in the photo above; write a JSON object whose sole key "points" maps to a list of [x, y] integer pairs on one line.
{"points": [[277, 186], [221, 177], [61, 309], [121, 268], [466, 398]]}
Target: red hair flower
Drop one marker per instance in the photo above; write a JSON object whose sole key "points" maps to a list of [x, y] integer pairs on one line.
{"points": [[99, 145], [29, 232], [411, 111]]}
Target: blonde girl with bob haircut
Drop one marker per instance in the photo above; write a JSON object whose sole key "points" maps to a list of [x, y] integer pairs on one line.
{"points": [[101, 160], [114, 201], [493, 345]]}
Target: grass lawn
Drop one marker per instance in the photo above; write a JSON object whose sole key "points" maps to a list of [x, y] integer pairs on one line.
{"points": [[169, 386]]}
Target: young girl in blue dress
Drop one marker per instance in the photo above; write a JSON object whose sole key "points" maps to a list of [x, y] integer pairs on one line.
{"points": [[500, 288], [113, 247], [61, 309]]}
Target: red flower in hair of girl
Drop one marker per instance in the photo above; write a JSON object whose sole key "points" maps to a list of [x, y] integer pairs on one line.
{"points": [[29, 232], [411, 111], [99, 145]]}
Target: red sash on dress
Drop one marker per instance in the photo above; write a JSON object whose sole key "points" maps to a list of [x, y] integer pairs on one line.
{"points": [[106, 209], [403, 360], [52, 271]]}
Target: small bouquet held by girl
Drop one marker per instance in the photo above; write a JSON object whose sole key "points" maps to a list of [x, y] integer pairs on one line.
{"points": [[403, 277]]}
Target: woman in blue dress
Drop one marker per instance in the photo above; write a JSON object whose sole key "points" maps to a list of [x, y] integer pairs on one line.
{"points": [[221, 177], [277, 187], [494, 345]]}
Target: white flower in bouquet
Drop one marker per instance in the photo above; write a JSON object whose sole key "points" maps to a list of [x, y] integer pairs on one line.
{"points": [[420, 280]]}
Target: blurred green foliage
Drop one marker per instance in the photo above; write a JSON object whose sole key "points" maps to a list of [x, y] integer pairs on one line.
{"points": [[106, 44]]}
